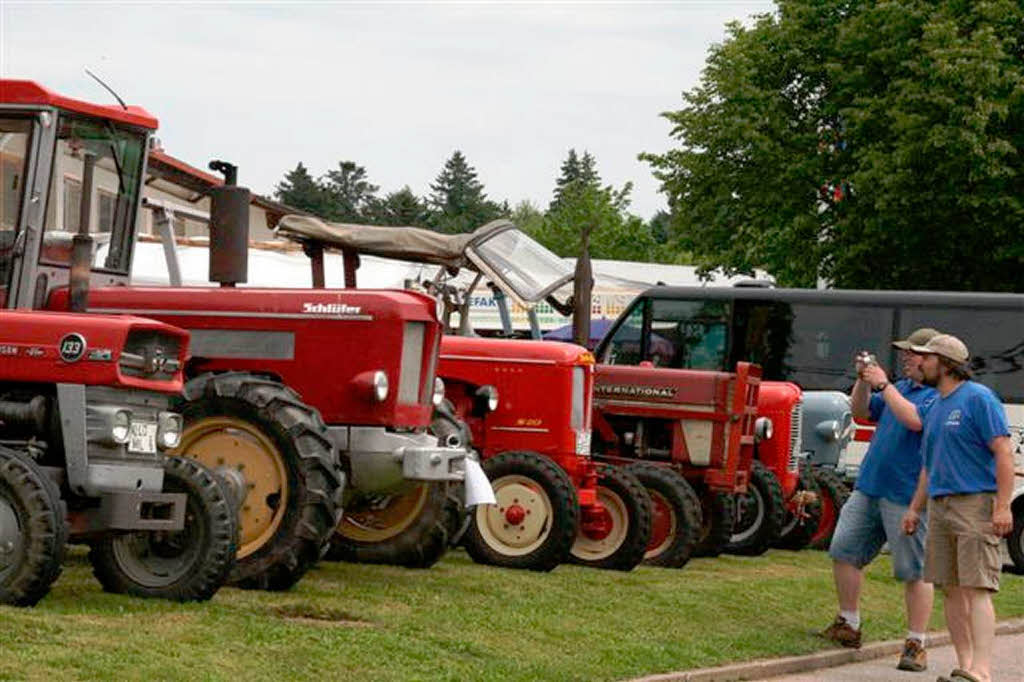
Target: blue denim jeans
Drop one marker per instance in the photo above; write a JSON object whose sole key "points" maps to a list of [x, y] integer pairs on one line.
{"points": [[866, 523]]}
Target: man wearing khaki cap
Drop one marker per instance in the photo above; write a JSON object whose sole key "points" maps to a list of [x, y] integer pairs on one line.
{"points": [[885, 484], [967, 479]]}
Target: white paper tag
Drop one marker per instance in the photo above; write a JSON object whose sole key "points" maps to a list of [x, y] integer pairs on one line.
{"points": [[478, 488]]}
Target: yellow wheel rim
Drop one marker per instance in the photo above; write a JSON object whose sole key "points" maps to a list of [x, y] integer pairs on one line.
{"points": [[521, 521], [594, 549], [386, 518], [220, 442]]}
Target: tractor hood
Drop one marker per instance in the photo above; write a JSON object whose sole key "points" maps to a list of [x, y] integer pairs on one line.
{"points": [[94, 350]]}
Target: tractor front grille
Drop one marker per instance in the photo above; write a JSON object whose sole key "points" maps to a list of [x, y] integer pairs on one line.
{"points": [[796, 420]]}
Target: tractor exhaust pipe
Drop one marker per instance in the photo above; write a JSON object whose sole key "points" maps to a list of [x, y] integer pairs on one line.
{"points": [[229, 228], [81, 243]]}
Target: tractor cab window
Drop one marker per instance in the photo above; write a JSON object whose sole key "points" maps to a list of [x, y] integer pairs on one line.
{"points": [[113, 197], [688, 334], [624, 346], [14, 141]]}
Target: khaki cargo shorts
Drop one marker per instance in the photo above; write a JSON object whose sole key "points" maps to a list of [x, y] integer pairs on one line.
{"points": [[961, 549]]}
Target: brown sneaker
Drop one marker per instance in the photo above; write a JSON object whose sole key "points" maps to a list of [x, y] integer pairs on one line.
{"points": [[914, 657], [840, 632]]}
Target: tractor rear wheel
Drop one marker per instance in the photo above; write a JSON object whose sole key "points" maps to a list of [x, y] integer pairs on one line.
{"points": [[33, 531], [797, 531], [676, 518], [260, 431], [833, 496], [619, 540], [760, 512], [404, 529], [186, 565], [534, 524], [718, 516]]}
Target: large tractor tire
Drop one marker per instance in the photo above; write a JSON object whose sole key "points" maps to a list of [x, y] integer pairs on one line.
{"points": [[760, 514], [250, 427], [535, 522], [621, 541], [405, 529], [834, 494], [718, 516], [186, 565], [676, 517], [453, 432], [33, 531], [797, 530]]}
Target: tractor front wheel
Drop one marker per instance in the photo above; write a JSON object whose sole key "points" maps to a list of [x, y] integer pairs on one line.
{"points": [[833, 496], [618, 539], [676, 520], [186, 565], [408, 528], [259, 432], [33, 532], [801, 523], [1015, 543], [760, 514], [718, 516], [534, 523]]}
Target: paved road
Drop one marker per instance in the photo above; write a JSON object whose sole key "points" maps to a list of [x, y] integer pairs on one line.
{"points": [[1008, 666]]}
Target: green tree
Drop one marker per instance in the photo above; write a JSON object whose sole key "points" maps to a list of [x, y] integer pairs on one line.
{"points": [[575, 171], [351, 195], [458, 200], [402, 208], [300, 190], [870, 143]]}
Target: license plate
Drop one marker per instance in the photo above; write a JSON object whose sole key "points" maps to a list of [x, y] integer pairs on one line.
{"points": [[142, 438]]}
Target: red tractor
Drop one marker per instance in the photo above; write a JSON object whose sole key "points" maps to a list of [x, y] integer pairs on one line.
{"points": [[525, 404], [84, 428], [779, 507], [294, 392], [520, 269]]}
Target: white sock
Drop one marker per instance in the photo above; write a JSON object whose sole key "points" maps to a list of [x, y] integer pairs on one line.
{"points": [[919, 636], [852, 618]]}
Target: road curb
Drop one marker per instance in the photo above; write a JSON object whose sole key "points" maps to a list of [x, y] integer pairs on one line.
{"points": [[772, 667]]}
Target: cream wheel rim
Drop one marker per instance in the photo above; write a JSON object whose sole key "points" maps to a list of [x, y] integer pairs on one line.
{"points": [[219, 442], [386, 518], [595, 549], [521, 520]]}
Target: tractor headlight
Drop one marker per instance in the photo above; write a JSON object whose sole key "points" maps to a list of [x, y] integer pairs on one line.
{"points": [[764, 429], [438, 391], [380, 385], [120, 426], [169, 426], [486, 399], [829, 430]]}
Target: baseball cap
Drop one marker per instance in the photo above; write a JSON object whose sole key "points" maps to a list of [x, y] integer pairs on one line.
{"points": [[918, 338], [947, 346]]}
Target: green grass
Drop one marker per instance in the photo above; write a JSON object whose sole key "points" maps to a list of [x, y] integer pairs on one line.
{"points": [[456, 621]]}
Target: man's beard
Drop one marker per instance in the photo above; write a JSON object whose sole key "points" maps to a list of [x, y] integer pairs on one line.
{"points": [[930, 381]]}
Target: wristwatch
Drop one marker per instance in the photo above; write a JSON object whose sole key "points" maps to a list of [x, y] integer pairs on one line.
{"points": [[881, 387]]}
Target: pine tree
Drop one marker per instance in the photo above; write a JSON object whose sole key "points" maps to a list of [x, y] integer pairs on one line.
{"points": [[402, 208], [458, 201], [577, 173], [351, 195], [300, 190]]}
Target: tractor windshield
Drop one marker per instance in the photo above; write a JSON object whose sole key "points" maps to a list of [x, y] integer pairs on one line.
{"points": [[14, 143], [114, 195], [525, 266]]}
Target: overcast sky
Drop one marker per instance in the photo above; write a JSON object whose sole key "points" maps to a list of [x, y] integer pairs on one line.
{"points": [[394, 87]]}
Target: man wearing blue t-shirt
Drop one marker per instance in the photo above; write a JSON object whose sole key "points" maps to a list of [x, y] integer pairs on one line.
{"points": [[967, 479], [885, 485]]}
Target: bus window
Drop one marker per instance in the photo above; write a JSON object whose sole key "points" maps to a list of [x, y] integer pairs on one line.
{"points": [[688, 334], [995, 339], [762, 334], [826, 338], [624, 347]]}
